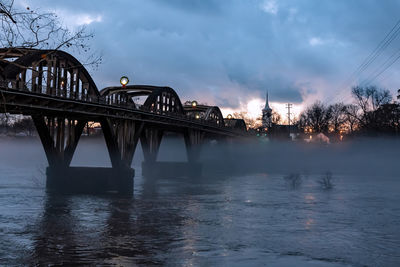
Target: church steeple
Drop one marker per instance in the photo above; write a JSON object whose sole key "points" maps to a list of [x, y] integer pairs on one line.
{"points": [[267, 114], [267, 103]]}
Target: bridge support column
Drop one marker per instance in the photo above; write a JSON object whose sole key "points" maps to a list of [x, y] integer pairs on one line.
{"points": [[193, 141], [59, 137], [151, 143], [151, 140], [121, 138]]}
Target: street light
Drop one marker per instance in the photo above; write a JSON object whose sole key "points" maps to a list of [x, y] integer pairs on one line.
{"points": [[197, 116], [194, 104], [124, 81], [229, 117]]}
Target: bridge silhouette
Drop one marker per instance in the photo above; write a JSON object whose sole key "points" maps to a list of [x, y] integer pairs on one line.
{"points": [[56, 90]]}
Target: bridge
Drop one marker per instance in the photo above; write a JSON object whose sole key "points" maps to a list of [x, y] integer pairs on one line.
{"points": [[56, 90]]}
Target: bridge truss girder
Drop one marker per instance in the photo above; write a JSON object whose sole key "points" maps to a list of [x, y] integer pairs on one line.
{"points": [[121, 138], [59, 137]]}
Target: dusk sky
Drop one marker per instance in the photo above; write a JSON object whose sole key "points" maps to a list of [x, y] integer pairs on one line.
{"points": [[228, 53]]}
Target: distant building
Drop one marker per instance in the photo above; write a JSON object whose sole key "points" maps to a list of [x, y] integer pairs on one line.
{"points": [[273, 130], [266, 114]]}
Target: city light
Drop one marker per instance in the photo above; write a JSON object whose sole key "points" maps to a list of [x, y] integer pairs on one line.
{"points": [[194, 104]]}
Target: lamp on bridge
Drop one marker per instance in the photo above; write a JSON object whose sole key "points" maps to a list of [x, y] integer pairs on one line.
{"points": [[197, 116], [194, 104], [229, 117], [124, 81]]}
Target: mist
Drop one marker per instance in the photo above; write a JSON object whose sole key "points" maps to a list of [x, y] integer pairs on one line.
{"points": [[364, 156]]}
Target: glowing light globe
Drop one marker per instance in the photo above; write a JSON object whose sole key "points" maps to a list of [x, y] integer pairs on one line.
{"points": [[124, 81], [194, 104], [229, 117]]}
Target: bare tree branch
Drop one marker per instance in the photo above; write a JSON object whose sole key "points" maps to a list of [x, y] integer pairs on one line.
{"points": [[33, 29]]}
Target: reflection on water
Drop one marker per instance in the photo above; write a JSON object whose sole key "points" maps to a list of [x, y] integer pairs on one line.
{"points": [[247, 220]]}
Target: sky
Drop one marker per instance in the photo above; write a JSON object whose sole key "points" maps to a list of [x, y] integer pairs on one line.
{"points": [[229, 52]]}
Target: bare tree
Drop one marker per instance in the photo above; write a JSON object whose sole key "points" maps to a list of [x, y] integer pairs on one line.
{"points": [[352, 117], [5, 10], [317, 117], [368, 100], [250, 122], [25, 124], [338, 117], [27, 29], [387, 118]]}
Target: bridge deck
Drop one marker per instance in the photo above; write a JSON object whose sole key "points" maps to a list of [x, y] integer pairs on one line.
{"points": [[29, 103]]}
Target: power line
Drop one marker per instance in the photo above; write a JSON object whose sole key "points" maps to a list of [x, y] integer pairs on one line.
{"points": [[390, 36], [373, 73], [383, 44], [383, 70], [381, 47]]}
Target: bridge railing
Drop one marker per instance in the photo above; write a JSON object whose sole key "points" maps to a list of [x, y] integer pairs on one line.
{"points": [[104, 100]]}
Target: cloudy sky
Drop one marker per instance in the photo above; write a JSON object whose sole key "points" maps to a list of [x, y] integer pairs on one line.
{"points": [[229, 52]]}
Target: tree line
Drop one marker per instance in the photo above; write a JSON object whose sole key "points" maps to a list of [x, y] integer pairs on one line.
{"points": [[16, 124], [372, 112]]}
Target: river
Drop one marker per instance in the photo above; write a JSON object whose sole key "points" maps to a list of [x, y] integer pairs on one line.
{"points": [[260, 218]]}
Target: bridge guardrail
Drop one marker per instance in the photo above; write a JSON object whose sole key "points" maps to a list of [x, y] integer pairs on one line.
{"points": [[102, 100]]}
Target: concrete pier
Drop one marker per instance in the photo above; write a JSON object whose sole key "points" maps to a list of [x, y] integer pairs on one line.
{"points": [[90, 180]]}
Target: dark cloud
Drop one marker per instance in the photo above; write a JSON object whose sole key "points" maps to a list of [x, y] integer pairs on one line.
{"points": [[304, 47], [195, 6]]}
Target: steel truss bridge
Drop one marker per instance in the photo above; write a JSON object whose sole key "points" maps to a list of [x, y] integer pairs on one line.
{"points": [[58, 93]]}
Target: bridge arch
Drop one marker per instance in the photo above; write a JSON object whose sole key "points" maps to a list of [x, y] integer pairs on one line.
{"points": [[214, 115], [237, 124], [51, 72], [160, 99], [208, 113], [163, 99]]}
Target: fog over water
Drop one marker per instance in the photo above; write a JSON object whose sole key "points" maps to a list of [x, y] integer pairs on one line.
{"points": [[256, 203]]}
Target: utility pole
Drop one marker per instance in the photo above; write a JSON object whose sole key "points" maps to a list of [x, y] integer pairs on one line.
{"points": [[289, 106]]}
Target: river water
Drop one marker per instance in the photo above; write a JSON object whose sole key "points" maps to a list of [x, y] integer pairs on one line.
{"points": [[259, 218]]}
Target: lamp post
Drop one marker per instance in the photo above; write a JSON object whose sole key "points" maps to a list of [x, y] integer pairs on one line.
{"points": [[124, 81], [194, 104]]}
